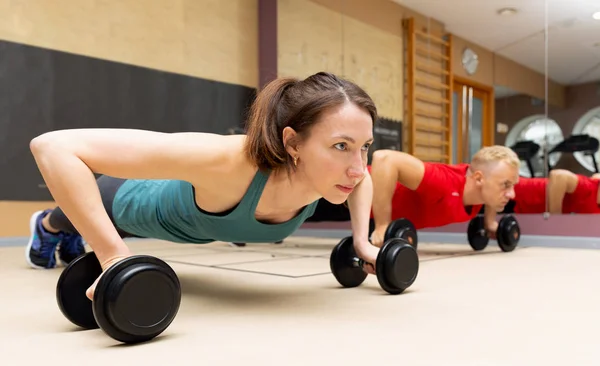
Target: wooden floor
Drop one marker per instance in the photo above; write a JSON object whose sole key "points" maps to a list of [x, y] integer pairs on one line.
{"points": [[279, 305]]}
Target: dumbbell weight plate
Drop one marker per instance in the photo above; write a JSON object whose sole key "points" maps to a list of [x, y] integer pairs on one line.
{"points": [[508, 234], [402, 228], [137, 299], [476, 234], [341, 264], [397, 266], [74, 280]]}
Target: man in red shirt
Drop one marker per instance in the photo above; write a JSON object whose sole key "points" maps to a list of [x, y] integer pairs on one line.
{"points": [[585, 199], [573, 193], [433, 194], [565, 191], [436, 194]]}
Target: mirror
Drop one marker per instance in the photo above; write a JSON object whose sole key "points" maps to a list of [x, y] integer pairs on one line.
{"points": [[499, 88], [522, 125], [573, 76], [554, 128], [521, 100], [540, 59]]}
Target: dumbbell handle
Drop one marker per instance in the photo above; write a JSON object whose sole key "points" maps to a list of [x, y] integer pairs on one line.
{"points": [[357, 262]]}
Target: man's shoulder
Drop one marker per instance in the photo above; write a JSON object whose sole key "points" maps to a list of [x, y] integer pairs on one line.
{"points": [[449, 170]]}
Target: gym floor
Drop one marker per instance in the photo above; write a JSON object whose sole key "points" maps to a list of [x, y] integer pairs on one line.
{"points": [[267, 304]]}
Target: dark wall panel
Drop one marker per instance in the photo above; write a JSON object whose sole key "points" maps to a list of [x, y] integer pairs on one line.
{"points": [[387, 134], [43, 90]]}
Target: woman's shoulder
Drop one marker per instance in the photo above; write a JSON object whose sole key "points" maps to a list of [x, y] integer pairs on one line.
{"points": [[230, 160]]}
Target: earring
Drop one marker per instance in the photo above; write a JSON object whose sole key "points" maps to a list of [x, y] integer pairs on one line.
{"points": [[295, 161]]}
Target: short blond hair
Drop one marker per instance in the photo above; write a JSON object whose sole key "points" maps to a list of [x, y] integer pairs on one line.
{"points": [[495, 154]]}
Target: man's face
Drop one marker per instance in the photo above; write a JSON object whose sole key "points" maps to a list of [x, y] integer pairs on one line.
{"points": [[497, 184]]}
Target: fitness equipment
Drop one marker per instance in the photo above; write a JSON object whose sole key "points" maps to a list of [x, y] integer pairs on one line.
{"points": [[397, 265], [585, 144], [135, 300], [507, 235], [527, 151], [404, 229], [476, 233]]}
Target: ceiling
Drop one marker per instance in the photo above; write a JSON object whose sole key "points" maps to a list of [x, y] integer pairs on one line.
{"points": [[573, 35]]}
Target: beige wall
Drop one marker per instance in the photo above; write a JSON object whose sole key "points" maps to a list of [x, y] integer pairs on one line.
{"points": [[497, 70], [485, 72], [212, 39], [15, 216], [318, 36], [362, 41]]}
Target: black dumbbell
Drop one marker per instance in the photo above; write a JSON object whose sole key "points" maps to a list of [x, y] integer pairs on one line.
{"points": [[404, 229], [397, 265], [135, 300], [476, 233], [507, 235]]}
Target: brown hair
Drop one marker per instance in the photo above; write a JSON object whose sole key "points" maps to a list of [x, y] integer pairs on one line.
{"points": [[298, 104]]}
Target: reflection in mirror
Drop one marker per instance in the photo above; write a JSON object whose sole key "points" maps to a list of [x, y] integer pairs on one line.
{"points": [[541, 58], [497, 72], [573, 57], [528, 131], [555, 129], [519, 78], [540, 132], [589, 125]]}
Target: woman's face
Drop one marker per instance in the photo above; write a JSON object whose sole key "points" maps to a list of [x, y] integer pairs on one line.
{"points": [[333, 158]]}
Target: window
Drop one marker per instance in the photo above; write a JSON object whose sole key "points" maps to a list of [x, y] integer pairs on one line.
{"points": [[541, 130], [588, 124]]}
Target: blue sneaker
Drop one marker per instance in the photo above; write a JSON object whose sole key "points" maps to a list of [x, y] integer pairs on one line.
{"points": [[41, 249], [71, 247]]}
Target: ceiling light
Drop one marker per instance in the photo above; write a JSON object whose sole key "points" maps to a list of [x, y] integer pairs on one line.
{"points": [[596, 15], [507, 11]]}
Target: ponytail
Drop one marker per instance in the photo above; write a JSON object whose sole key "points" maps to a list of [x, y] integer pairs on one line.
{"points": [[266, 123]]}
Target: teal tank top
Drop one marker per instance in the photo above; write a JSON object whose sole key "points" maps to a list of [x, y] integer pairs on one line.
{"points": [[167, 210]]}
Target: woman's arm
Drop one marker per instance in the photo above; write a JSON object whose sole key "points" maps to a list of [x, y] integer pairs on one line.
{"points": [[67, 160], [359, 205]]}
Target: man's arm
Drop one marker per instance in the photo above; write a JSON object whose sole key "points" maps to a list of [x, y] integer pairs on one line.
{"points": [[560, 182], [387, 168]]}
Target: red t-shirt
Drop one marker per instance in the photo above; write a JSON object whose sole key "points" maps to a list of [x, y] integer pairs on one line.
{"points": [[530, 195], [438, 201], [585, 197]]}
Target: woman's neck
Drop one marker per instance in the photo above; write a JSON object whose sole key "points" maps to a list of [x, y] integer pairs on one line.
{"points": [[288, 192]]}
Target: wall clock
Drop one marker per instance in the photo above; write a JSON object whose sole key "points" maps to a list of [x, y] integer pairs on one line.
{"points": [[470, 61]]}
